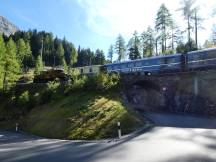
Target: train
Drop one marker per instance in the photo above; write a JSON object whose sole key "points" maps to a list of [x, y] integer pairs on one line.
{"points": [[89, 70], [51, 75], [191, 61]]}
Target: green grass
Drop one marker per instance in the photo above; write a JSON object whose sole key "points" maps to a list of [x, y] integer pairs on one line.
{"points": [[83, 115]]}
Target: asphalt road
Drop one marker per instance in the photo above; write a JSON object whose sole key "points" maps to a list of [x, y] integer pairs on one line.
{"points": [[160, 144], [182, 121]]}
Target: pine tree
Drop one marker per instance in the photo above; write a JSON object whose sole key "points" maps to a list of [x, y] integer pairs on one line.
{"points": [[11, 67], [2, 54], [60, 54], [148, 42], [163, 23], [175, 35], [214, 34], [111, 53], [188, 10], [21, 50], [38, 65], [208, 44], [134, 47], [70, 52], [86, 57], [197, 24], [65, 66], [99, 57], [24, 53], [120, 48], [28, 58], [73, 55]]}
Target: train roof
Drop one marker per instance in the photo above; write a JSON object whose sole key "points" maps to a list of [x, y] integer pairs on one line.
{"points": [[149, 58], [204, 50], [88, 66]]}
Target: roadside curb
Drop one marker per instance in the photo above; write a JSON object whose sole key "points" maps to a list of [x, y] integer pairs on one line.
{"points": [[144, 129], [136, 133]]}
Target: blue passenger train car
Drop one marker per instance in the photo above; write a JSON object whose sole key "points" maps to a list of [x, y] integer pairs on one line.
{"points": [[147, 65], [168, 63], [191, 61], [201, 59]]}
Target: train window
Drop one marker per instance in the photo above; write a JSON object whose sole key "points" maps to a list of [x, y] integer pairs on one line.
{"points": [[145, 63], [123, 66], [161, 61], [115, 67], [138, 64], [130, 65], [153, 62], [109, 68], [211, 54], [171, 60], [196, 57]]}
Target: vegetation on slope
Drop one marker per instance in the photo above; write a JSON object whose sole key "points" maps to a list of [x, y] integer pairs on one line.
{"points": [[87, 108], [85, 115]]}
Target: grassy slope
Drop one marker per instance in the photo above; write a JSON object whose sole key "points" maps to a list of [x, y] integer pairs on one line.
{"points": [[83, 115]]}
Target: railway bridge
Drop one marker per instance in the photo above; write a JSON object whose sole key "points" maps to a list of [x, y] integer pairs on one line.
{"points": [[188, 92]]}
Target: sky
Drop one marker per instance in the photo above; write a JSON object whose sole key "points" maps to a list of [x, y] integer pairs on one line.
{"points": [[97, 23]]}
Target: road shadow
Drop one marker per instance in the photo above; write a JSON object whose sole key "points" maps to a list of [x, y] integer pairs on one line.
{"points": [[7, 137], [58, 150], [180, 120]]}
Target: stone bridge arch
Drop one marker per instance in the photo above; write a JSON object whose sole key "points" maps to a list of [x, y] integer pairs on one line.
{"points": [[191, 93]]}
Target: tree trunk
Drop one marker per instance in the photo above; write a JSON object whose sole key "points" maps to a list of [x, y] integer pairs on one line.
{"points": [[156, 47], [196, 32], [172, 39], [151, 46], [162, 44], [189, 39], [5, 79], [165, 41]]}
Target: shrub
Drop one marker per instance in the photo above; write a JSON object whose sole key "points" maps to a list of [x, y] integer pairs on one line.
{"points": [[102, 81], [23, 99], [77, 84], [34, 100], [74, 74], [51, 92], [106, 81]]}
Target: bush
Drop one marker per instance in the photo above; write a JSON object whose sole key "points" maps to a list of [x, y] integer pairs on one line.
{"points": [[23, 99], [106, 81], [34, 100], [102, 81], [75, 85], [74, 74], [51, 92]]}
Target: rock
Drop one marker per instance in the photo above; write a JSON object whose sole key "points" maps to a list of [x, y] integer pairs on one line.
{"points": [[7, 27]]}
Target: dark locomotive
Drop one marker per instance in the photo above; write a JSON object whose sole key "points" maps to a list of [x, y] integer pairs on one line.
{"points": [[51, 75]]}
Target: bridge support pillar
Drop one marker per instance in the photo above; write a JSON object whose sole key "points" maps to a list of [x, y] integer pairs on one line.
{"points": [[196, 85]]}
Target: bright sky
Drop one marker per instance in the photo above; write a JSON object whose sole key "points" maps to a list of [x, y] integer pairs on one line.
{"points": [[97, 23]]}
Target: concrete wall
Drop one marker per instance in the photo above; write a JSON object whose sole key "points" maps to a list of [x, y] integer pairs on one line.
{"points": [[193, 93]]}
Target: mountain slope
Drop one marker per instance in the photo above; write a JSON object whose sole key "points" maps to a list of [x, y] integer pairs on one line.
{"points": [[7, 27]]}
